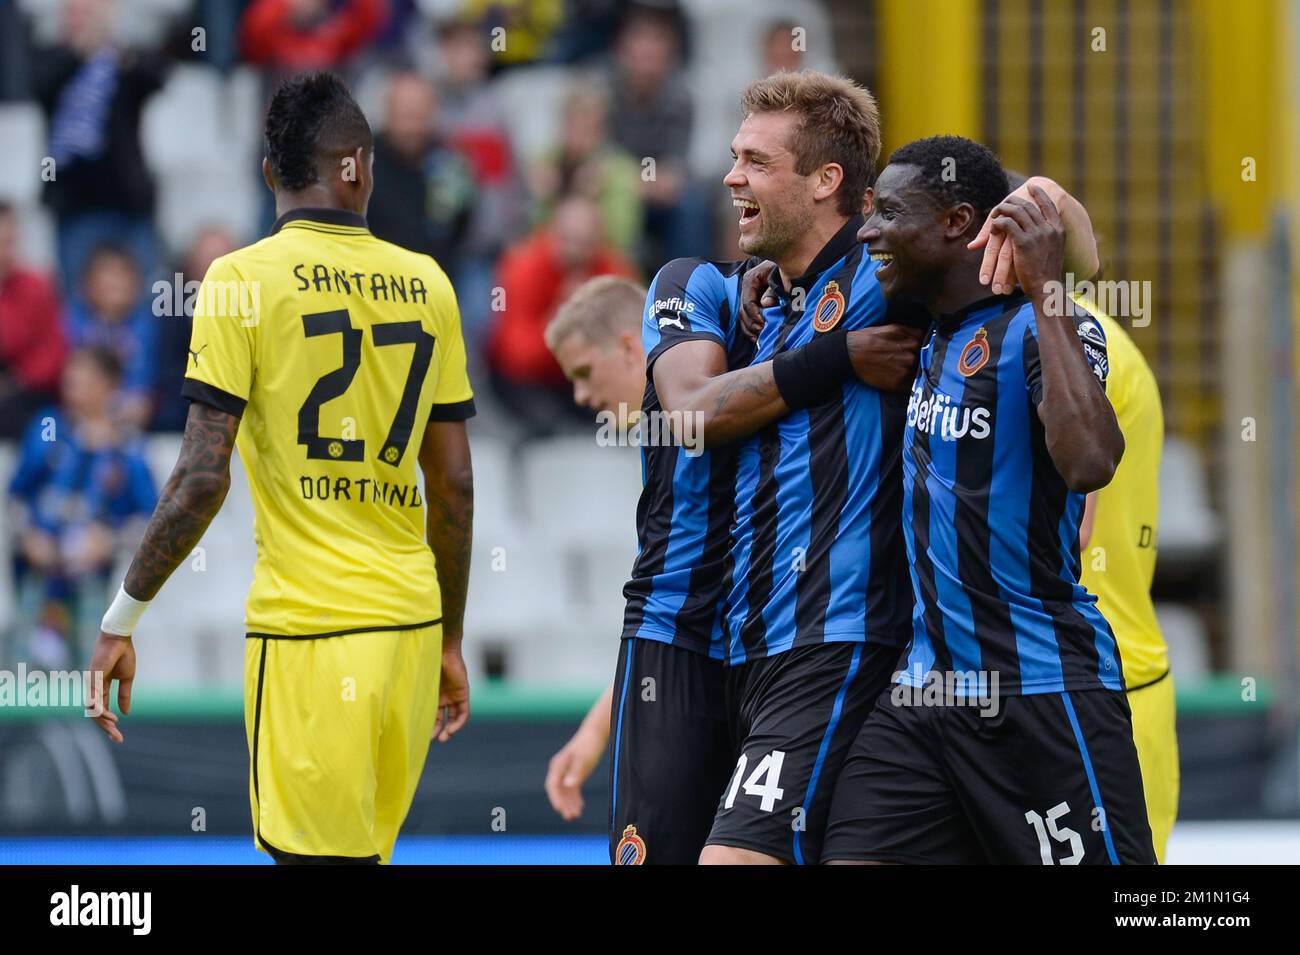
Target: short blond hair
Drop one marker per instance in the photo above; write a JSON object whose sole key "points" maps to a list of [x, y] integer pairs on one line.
{"points": [[599, 310], [838, 122]]}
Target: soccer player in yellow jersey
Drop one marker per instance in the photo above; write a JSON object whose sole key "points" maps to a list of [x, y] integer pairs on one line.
{"points": [[1117, 544], [335, 362]]}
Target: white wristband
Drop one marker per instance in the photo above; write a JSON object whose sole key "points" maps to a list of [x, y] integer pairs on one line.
{"points": [[123, 615]]}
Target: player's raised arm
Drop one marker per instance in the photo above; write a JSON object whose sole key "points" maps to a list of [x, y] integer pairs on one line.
{"points": [[692, 377], [1081, 256], [1067, 383], [191, 498], [449, 491]]}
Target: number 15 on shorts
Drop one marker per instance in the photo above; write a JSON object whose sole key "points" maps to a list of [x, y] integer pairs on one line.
{"points": [[763, 783]]}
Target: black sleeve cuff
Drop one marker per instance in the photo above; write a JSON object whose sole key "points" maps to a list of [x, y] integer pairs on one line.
{"points": [[814, 373], [456, 411], [196, 390]]}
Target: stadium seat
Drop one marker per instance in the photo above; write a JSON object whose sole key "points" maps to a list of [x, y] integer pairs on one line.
{"points": [[595, 580], [532, 98], [1189, 645], [142, 23], [1189, 529], [495, 504], [183, 146], [176, 127], [577, 537], [737, 26], [160, 453], [579, 493], [194, 629], [22, 130], [516, 604]]}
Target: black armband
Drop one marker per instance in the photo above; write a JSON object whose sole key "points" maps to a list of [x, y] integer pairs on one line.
{"points": [[812, 374]]}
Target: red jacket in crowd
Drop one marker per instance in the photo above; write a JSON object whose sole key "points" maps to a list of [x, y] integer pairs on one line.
{"points": [[32, 346], [270, 35], [533, 284]]}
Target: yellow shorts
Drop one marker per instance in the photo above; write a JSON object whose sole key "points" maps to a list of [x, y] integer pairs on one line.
{"points": [[1157, 748], [338, 731]]}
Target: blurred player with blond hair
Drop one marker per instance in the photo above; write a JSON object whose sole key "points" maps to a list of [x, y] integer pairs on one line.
{"points": [[671, 757], [596, 338]]}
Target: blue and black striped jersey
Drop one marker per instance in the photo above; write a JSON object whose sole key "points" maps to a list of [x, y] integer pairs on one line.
{"points": [[992, 529], [817, 553], [687, 502]]}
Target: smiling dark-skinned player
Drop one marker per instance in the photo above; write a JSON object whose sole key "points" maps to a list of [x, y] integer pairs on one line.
{"points": [[1007, 738]]}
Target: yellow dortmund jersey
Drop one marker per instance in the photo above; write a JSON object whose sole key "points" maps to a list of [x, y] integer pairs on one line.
{"points": [[1120, 558], [336, 348]]}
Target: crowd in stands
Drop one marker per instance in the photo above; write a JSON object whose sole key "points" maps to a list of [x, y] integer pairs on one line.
{"points": [[93, 347]]}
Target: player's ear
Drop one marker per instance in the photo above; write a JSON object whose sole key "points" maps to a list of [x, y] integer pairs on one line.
{"points": [[830, 178], [354, 169], [364, 159], [630, 345], [960, 219], [266, 174]]}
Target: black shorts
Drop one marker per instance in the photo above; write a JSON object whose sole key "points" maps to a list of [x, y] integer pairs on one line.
{"points": [[671, 755], [1048, 778], [795, 716]]}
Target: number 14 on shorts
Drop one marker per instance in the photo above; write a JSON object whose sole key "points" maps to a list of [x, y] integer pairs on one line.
{"points": [[764, 782]]}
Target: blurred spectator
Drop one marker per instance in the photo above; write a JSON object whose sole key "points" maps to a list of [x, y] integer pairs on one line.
{"points": [[424, 192], [534, 278], [587, 31], [475, 126], [404, 23], [14, 49], [93, 94], [220, 22], [654, 121], [32, 346], [81, 488], [112, 313], [779, 51], [525, 27], [211, 243], [291, 36], [589, 164]]}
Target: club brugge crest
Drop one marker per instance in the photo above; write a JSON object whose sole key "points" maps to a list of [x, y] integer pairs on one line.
{"points": [[975, 354], [829, 307], [631, 848]]}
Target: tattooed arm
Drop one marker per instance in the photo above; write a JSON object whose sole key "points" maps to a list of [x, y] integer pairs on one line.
{"points": [[449, 491], [193, 495], [692, 378], [191, 498]]}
